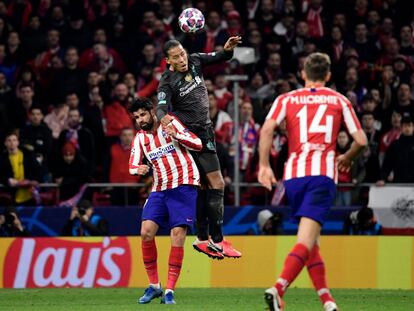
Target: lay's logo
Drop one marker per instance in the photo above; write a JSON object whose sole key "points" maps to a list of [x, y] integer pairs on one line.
{"points": [[50, 262]]}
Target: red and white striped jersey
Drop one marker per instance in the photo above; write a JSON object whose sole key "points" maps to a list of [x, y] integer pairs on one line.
{"points": [[170, 158], [313, 120]]}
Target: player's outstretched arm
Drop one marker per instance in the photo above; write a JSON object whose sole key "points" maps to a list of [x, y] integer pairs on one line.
{"points": [[218, 57], [266, 176], [231, 43]]}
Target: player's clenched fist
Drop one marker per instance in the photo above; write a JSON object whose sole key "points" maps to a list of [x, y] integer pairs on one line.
{"points": [[170, 130], [167, 119], [143, 169]]}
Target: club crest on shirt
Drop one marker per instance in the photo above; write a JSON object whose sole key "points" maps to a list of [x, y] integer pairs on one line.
{"points": [[161, 95], [188, 77]]}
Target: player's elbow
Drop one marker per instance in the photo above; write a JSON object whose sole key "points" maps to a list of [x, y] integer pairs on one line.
{"points": [[361, 139]]}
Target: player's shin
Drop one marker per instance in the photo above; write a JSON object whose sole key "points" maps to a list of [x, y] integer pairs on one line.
{"points": [[149, 255], [294, 263], [174, 266], [316, 270], [215, 206]]}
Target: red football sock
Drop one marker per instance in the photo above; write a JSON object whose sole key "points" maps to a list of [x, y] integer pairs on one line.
{"points": [[316, 270], [294, 263], [149, 255], [174, 266]]}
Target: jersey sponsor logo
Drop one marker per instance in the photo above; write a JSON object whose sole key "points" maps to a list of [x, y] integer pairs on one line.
{"points": [[188, 77], [189, 87], [161, 151], [314, 99], [161, 96]]}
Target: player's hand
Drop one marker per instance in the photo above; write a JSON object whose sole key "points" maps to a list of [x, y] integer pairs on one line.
{"points": [[143, 169], [266, 177], [170, 130], [380, 183], [167, 119], [344, 164], [232, 42]]}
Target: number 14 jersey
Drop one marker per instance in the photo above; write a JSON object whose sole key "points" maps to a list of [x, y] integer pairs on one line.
{"points": [[313, 119]]}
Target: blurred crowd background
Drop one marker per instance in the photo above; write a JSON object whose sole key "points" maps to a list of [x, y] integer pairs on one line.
{"points": [[68, 70]]}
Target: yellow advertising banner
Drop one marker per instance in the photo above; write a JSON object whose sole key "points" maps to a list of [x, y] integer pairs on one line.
{"points": [[352, 262]]}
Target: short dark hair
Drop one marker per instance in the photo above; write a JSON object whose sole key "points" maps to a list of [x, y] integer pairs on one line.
{"points": [[140, 103], [169, 45], [25, 84], [406, 119], [317, 66]]}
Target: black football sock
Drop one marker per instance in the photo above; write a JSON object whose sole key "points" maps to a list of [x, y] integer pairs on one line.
{"points": [[215, 207]]}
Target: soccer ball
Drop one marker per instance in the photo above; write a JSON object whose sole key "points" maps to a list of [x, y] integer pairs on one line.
{"points": [[191, 20]]}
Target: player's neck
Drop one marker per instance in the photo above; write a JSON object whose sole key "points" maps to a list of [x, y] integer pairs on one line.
{"points": [[314, 84]]}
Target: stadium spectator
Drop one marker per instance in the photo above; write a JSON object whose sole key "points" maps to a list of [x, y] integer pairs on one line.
{"points": [[19, 111], [70, 172], [343, 194], [269, 223], [10, 223], [70, 78], [405, 104], [50, 59], [72, 100], [80, 137], [371, 154], [362, 222], [33, 37], [116, 113], [57, 119], [391, 135], [399, 156], [37, 137], [94, 121], [406, 42], [19, 171], [84, 222], [248, 135], [6, 97], [77, 34], [119, 172], [365, 47]]}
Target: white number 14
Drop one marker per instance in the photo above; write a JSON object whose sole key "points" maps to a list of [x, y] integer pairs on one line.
{"points": [[315, 126]]}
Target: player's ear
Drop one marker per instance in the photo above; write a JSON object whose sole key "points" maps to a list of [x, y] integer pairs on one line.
{"points": [[303, 75], [328, 76], [167, 61]]}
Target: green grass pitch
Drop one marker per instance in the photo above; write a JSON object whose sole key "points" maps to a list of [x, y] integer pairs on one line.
{"points": [[216, 299]]}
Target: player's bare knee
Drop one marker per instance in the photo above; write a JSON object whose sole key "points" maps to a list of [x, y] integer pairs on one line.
{"points": [[147, 232], [178, 235]]}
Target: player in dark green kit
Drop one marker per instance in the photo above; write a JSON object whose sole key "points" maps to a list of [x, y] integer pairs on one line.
{"points": [[182, 91]]}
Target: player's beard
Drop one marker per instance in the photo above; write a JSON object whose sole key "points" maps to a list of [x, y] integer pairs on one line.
{"points": [[147, 126]]}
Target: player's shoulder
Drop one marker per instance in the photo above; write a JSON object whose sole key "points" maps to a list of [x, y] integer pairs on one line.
{"points": [[165, 76]]}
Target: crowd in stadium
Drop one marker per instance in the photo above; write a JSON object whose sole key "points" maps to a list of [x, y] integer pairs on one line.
{"points": [[68, 70]]}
